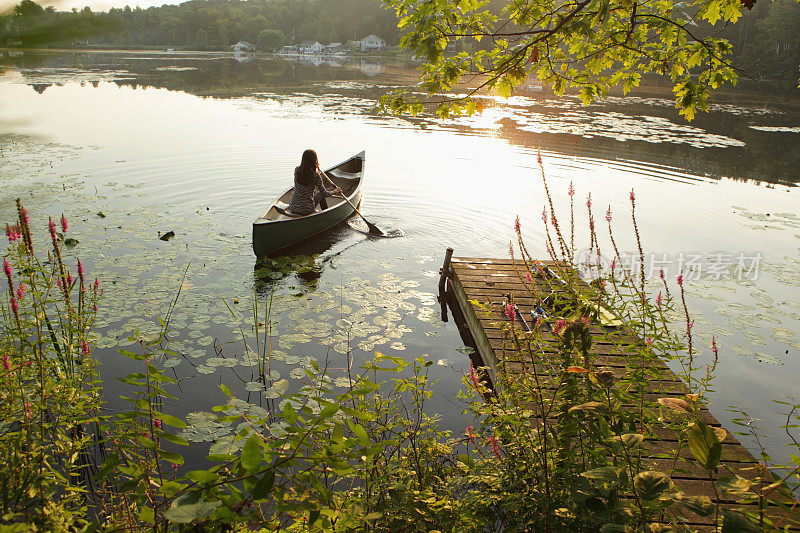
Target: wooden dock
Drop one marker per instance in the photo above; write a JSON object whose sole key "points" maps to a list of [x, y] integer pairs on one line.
{"points": [[488, 281]]}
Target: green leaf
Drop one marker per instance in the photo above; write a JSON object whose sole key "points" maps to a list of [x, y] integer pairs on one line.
{"points": [[329, 411], [629, 440], [733, 522], [700, 505], [171, 457], [251, 454], [264, 485], [705, 445], [604, 473], [590, 407], [202, 476], [736, 486], [676, 404], [289, 413], [361, 433], [613, 528], [651, 484], [185, 513], [171, 420]]}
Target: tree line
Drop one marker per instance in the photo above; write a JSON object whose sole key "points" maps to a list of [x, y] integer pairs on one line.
{"points": [[200, 24], [764, 40]]}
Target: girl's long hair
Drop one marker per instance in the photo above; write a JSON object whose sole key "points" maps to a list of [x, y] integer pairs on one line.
{"points": [[307, 171]]}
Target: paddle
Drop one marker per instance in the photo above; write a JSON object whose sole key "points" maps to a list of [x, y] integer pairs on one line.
{"points": [[373, 229]]}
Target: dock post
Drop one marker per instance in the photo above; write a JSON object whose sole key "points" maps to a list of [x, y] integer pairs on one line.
{"points": [[444, 273]]}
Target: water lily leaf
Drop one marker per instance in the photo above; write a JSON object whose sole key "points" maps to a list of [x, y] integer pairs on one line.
{"points": [[277, 389], [167, 236], [70, 242], [172, 362]]}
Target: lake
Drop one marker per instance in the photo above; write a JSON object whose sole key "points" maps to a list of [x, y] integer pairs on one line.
{"points": [[132, 145]]}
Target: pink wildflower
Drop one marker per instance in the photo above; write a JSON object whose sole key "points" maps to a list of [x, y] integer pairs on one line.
{"points": [[51, 226], [80, 270], [94, 308], [157, 423], [85, 348], [608, 214], [539, 157], [473, 377], [13, 232], [24, 213], [516, 225], [6, 362], [470, 433], [69, 280], [589, 201], [528, 277], [495, 444], [560, 326], [553, 218], [691, 324], [571, 190], [648, 340], [96, 284], [680, 279], [64, 225], [658, 298], [633, 197], [661, 273], [511, 249], [14, 305], [511, 313], [714, 348], [21, 291], [538, 322], [544, 215]]}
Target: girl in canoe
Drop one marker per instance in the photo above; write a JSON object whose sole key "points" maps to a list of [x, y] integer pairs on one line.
{"points": [[307, 178]]}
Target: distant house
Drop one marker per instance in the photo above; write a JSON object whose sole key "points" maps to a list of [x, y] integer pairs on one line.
{"points": [[288, 50], [334, 48], [372, 43], [243, 47], [311, 47]]}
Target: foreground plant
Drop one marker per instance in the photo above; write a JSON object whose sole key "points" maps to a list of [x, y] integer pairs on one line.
{"points": [[49, 395]]}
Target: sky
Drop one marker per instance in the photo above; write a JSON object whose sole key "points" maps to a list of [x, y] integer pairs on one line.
{"points": [[96, 5]]}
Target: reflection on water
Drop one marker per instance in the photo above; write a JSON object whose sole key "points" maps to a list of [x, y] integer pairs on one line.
{"points": [[200, 145]]}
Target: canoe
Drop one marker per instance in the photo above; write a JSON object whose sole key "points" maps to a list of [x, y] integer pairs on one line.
{"points": [[277, 228]]}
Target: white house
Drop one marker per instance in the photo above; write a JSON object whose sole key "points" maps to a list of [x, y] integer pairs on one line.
{"points": [[311, 47], [243, 47], [334, 48], [372, 43]]}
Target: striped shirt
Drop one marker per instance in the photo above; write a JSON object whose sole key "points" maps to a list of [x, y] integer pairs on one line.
{"points": [[304, 200]]}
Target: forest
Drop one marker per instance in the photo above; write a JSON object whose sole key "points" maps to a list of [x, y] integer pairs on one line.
{"points": [[764, 40], [200, 24]]}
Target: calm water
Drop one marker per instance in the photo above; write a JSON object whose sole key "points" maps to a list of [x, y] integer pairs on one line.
{"points": [[200, 145]]}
